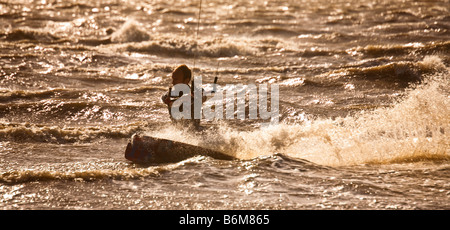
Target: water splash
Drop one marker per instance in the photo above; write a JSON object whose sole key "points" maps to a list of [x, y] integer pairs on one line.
{"points": [[413, 129]]}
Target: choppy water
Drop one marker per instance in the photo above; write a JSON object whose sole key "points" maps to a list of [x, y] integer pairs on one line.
{"points": [[364, 104]]}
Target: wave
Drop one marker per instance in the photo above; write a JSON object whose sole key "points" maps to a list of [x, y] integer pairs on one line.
{"points": [[52, 108], [394, 74], [283, 162], [130, 32], [401, 73], [22, 176], [31, 34], [431, 48], [11, 95], [54, 134], [296, 82], [60, 93], [122, 171], [174, 46]]}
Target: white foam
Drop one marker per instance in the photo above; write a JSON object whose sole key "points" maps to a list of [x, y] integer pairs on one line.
{"points": [[130, 32]]}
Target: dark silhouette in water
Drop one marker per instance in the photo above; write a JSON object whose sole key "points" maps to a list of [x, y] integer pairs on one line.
{"points": [[147, 149]]}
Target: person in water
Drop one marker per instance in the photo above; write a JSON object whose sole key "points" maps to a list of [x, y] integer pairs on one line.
{"points": [[181, 75]]}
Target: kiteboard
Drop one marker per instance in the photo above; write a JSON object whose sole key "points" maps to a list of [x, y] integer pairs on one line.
{"points": [[149, 150]]}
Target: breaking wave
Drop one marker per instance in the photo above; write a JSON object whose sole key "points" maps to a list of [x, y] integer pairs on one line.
{"points": [[130, 32], [188, 48]]}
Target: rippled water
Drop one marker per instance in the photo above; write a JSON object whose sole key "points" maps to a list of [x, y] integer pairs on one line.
{"points": [[364, 104]]}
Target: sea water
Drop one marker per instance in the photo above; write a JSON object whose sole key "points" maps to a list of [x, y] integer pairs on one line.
{"points": [[364, 104]]}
